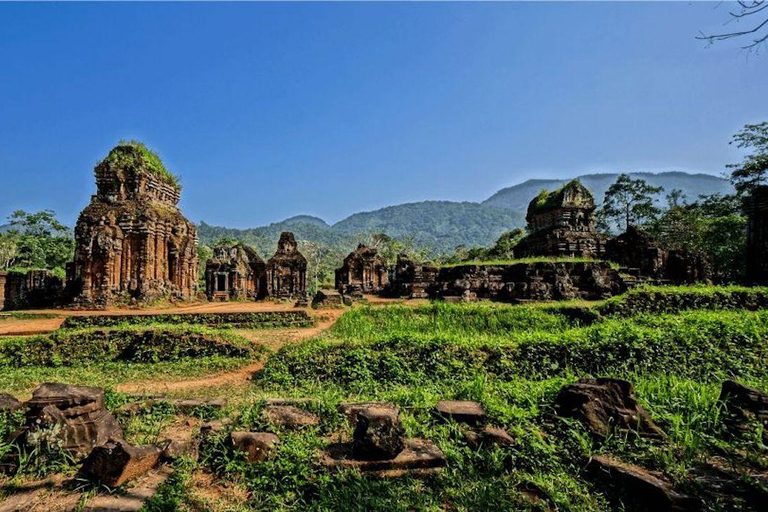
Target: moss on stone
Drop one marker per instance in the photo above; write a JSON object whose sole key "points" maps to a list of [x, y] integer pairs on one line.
{"points": [[133, 153]]}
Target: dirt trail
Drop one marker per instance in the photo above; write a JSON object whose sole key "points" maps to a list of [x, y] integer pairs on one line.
{"points": [[275, 339]]}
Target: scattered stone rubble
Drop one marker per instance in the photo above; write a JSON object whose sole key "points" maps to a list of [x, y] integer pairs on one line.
{"points": [[290, 417], [117, 462], [744, 406], [325, 299], [257, 446], [603, 405]]}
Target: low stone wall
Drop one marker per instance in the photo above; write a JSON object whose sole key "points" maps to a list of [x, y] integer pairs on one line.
{"points": [[529, 281], [34, 289], [261, 319]]}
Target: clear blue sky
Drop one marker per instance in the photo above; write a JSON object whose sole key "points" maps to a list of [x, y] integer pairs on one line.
{"points": [[272, 110]]}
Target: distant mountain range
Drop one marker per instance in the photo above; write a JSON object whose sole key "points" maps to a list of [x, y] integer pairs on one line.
{"points": [[443, 225]]}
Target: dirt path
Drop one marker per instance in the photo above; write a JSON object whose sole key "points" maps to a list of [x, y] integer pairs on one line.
{"points": [[272, 339]]}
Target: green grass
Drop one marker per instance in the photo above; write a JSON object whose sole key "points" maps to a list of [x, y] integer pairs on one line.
{"points": [[135, 153], [512, 358]]}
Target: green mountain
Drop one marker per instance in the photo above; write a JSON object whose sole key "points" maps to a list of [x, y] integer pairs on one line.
{"points": [[518, 196], [443, 225]]}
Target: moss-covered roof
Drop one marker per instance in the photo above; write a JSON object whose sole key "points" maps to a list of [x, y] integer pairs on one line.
{"points": [[572, 194], [135, 154]]}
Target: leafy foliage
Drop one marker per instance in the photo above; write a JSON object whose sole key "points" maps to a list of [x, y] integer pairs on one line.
{"points": [[36, 240], [132, 153], [753, 170], [630, 201]]}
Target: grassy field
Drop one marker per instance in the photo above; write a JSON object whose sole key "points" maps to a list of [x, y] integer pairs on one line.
{"points": [[512, 359]]}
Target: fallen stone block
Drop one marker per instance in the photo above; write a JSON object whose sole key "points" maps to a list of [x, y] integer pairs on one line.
{"points": [[743, 405], [290, 417], [606, 404], [257, 446], [489, 436], [78, 411], [116, 463], [641, 489], [378, 434], [9, 403], [461, 411], [134, 498], [418, 458], [214, 427], [352, 409]]}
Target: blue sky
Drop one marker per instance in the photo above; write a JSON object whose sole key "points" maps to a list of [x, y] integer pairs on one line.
{"points": [[272, 110]]}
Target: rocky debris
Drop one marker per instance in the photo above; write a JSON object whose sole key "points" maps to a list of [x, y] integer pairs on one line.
{"points": [[214, 427], [535, 495], [78, 411], [744, 405], [178, 440], [462, 411], [134, 498], [378, 434], [328, 299], [352, 409], [489, 436], [604, 404], [183, 405], [116, 463], [642, 489], [257, 446], [290, 417], [732, 488], [9, 403], [419, 457]]}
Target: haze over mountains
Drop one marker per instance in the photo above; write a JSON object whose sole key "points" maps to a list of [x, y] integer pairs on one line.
{"points": [[444, 225]]}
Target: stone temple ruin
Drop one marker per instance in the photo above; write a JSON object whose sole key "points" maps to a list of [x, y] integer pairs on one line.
{"points": [[562, 223], [132, 240], [287, 270], [31, 289], [363, 271], [235, 272], [757, 236]]}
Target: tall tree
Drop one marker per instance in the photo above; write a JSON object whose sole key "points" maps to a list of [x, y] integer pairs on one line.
{"points": [[42, 241], [753, 170], [630, 201]]}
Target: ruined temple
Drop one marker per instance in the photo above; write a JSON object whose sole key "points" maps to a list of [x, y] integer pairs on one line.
{"points": [[235, 272], [562, 223], [412, 279], [132, 241], [363, 270], [287, 269], [756, 206]]}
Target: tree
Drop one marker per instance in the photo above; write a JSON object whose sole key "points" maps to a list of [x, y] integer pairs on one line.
{"points": [[42, 241], [712, 227], [753, 12], [9, 249], [504, 248], [753, 170], [630, 201]]}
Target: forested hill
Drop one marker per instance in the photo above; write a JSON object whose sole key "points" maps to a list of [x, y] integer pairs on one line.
{"points": [[437, 225], [443, 225], [518, 196]]}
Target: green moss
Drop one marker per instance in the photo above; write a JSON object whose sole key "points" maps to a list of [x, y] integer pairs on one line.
{"points": [[133, 153], [547, 200]]}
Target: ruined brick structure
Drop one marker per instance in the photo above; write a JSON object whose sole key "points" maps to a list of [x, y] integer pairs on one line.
{"points": [[363, 270], [556, 280], [287, 270], [756, 207], [235, 272], [562, 223], [33, 289], [642, 257], [411, 279], [132, 240]]}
